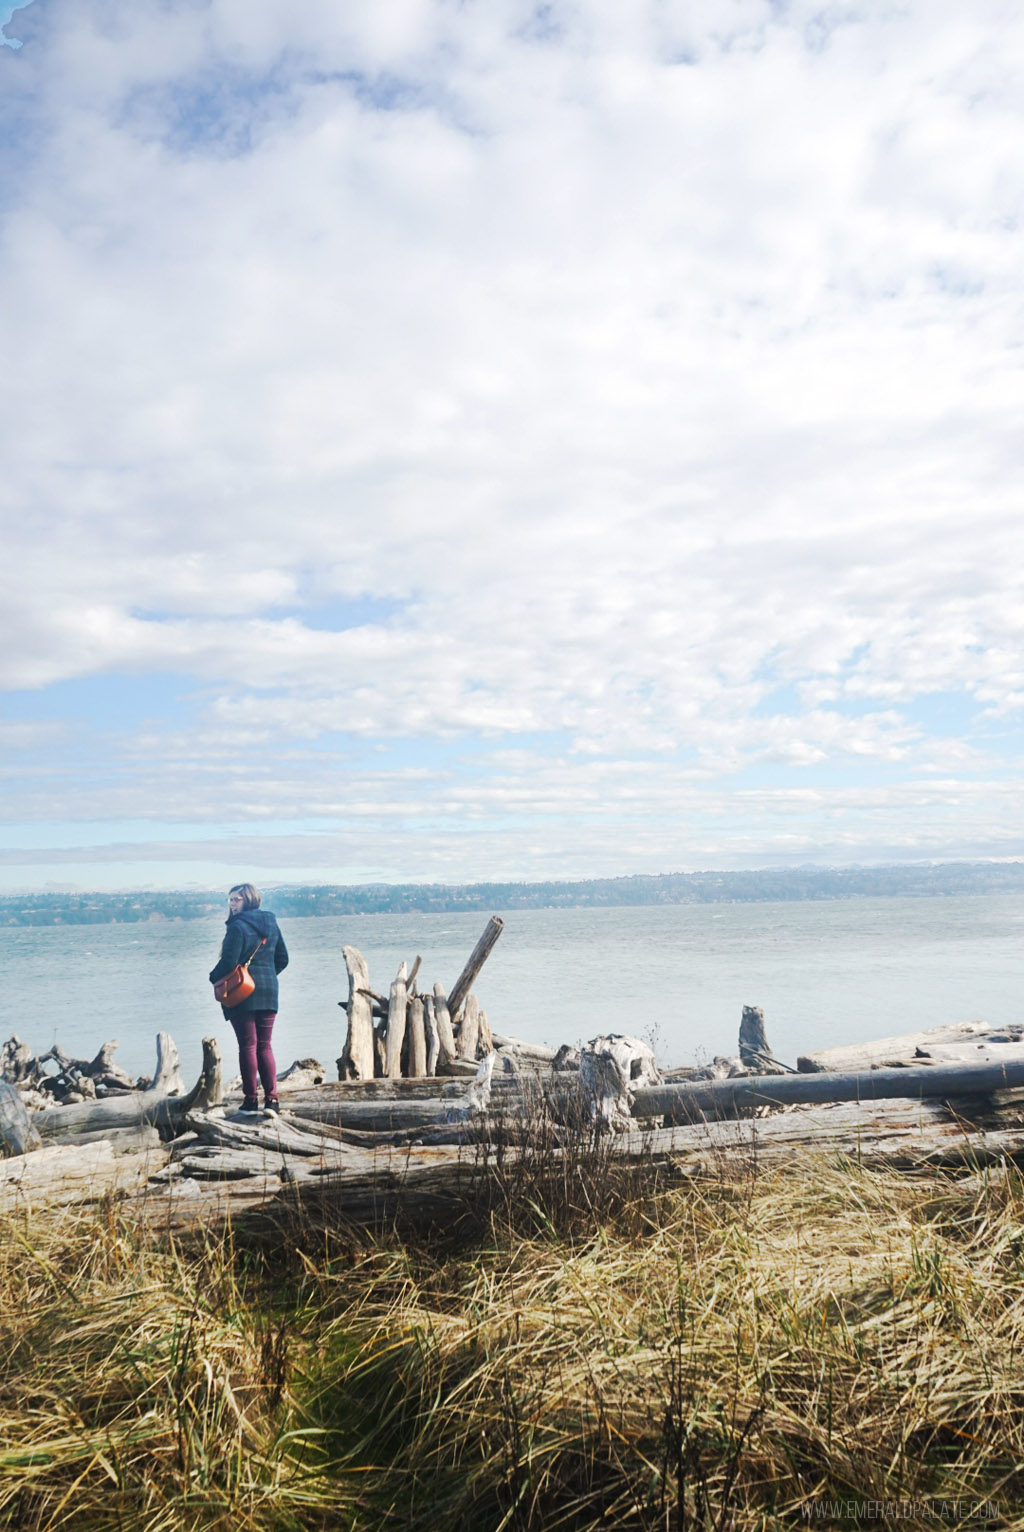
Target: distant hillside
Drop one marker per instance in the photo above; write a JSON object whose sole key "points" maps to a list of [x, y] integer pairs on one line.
{"points": [[783, 883]]}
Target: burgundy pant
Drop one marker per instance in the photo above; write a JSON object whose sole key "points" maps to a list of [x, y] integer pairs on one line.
{"points": [[255, 1055]]}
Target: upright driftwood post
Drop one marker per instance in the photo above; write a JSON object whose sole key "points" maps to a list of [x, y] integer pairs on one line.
{"points": [[397, 1005], [417, 1039], [167, 1081], [433, 1037], [356, 1062], [443, 1017], [485, 1045], [469, 1033], [477, 959]]}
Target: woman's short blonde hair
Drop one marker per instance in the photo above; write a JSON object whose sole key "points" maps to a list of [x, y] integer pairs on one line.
{"points": [[250, 894]]}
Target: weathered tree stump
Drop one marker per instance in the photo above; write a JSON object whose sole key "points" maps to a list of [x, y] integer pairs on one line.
{"points": [[612, 1070]]}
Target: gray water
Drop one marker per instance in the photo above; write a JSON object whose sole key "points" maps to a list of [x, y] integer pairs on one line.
{"points": [[825, 973]]}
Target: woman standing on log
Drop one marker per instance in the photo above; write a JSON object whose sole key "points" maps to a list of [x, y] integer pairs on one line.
{"points": [[254, 938]]}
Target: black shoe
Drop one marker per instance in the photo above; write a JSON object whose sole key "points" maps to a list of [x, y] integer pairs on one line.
{"points": [[272, 1104], [250, 1105]]}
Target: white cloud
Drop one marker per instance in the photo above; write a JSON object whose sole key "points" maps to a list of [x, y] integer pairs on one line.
{"points": [[648, 360]]}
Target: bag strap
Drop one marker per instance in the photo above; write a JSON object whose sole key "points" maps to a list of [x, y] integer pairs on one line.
{"points": [[261, 943]]}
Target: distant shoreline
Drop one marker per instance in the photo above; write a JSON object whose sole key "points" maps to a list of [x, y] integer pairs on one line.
{"points": [[764, 885]]}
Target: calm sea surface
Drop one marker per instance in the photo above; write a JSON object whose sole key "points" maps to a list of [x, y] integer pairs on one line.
{"points": [[824, 973]]}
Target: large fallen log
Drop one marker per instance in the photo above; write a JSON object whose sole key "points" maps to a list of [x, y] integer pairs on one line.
{"points": [[902, 1051], [682, 1102], [64, 1174]]}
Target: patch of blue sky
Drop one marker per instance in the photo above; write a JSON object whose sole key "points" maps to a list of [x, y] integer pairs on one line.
{"points": [[7, 10], [384, 92], [543, 25], [219, 111], [943, 714], [223, 109], [781, 701], [350, 612], [388, 92], [107, 701]]}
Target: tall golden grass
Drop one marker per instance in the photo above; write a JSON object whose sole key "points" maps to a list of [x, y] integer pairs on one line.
{"points": [[824, 1346]]}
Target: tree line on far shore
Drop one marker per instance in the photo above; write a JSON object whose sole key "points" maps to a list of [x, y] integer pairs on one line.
{"points": [[753, 886]]}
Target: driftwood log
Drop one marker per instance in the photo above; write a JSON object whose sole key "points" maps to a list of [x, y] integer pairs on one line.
{"points": [[60, 1175], [417, 1035], [394, 1040], [477, 958], [899, 1052], [18, 1134], [163, 1104], [612, 1069], [446, 1037], [469, 1032], [356, 1062], [755, 1051], [414, 1036], [684, 1101]]}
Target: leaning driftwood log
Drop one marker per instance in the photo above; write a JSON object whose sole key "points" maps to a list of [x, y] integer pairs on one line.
{"points": [[477, 958]]}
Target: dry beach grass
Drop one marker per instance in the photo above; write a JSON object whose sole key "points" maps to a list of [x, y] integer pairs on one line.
{"points": [[824, 1345]]}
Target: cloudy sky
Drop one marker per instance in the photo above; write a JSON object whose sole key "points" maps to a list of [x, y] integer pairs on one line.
{"points": [[470, 439]]}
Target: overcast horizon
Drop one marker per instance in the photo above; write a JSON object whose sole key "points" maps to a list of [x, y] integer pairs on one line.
{"points": [[463, 443]]}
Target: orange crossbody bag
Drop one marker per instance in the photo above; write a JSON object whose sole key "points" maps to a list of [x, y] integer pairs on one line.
{"points": [[239, 984]]}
